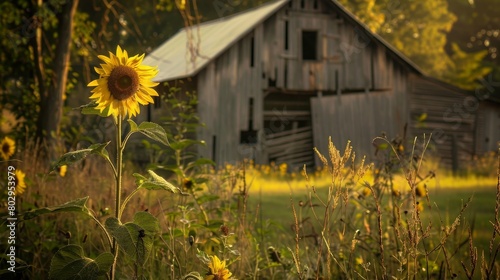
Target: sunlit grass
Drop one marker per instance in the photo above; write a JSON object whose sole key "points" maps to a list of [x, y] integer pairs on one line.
{"points": [[271, 179]]}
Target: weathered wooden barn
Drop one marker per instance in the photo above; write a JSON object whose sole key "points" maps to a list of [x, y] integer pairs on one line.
{"points": [[276, 81]]}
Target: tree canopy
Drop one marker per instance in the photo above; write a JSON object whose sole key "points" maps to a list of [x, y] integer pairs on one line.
{"points": [[419, 29]]}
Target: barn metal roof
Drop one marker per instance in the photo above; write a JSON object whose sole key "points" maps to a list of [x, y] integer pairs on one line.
{"points": [[214, 37], [173, 59]]}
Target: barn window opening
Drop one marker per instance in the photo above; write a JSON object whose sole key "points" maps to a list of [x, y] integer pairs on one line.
{"points": [[286, 34], [272, 82], [285, 75], [302, 4], [309, 45], [249, 136], [250, 113], [157, 102], [315, 4], [252, 52]]}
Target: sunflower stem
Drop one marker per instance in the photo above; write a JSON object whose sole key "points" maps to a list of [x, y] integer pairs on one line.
{"points": [[118, 187]]}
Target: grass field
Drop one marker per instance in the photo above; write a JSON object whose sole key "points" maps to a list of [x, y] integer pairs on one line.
{"points": [[270, 222], [441, 209], [445, 202]]}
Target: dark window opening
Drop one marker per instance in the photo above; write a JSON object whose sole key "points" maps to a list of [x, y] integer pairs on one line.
{"points": [[286, 34], [149, 113], [249, 136], [315, 4], [285, 75], [252, 52], [302, 4], [272, 82], [250, 113], [309, 45], [157, 102]]}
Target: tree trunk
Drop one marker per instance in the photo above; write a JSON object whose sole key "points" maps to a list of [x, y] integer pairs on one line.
{"points": [[51, 99]]}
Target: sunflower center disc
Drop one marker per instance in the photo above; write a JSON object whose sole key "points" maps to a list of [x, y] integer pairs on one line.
{"points": [[123, 82]]}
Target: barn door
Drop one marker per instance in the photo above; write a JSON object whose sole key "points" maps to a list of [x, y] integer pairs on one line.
{"points": [[288, 130]]}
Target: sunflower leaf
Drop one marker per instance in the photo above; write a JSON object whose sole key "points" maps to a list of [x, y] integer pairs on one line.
{"points": [[135, 238], [139, 179], [155, 182], [77, 205], [71, 157], [70, 263], [100, 149], [133, 126], [74, 156], [184, 143], [154, 131], [90, 109], [158, 182]]}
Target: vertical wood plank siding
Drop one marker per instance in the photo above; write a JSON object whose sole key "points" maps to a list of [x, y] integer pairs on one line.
{"points": [[358, 118], [451, 123], [488, 127]]}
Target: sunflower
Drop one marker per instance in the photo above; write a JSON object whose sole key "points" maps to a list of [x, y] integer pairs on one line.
{"points": [[8, 147], [20, 184], [218, 270], [123, 84]]}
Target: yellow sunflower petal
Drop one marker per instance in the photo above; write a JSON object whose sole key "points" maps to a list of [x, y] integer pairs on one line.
{"points": [[104, 58], [143, 99], [217, 269], [106, 69], [94, 83], [148, 83], [20, 183]]}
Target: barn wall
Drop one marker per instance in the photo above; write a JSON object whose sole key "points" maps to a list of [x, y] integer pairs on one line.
{"points": [[347, 61], [488, 127], [449, 114], [360, 117], [226, 87]]}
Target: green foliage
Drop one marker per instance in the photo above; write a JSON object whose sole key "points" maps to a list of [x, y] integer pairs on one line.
{"points": [[75, 156], [90, 109], [368, 11], [468, 68], [477, 27], [151, 130], [70, 263], [419, 30], [181, 125], [29, 32], [155, 183], [77, 205], [135, 238]]}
